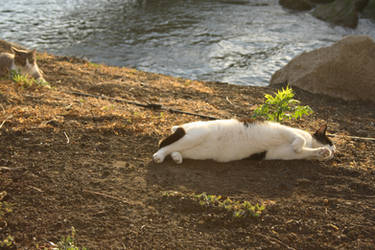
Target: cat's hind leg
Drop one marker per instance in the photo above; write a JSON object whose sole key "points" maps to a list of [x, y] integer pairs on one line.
{"points": [[298, 143], [176, 145]]}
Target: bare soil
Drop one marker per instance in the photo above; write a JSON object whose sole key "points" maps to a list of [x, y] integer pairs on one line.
{"points": [[69, 160]]}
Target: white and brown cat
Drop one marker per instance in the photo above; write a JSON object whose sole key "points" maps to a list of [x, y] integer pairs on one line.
{"points": [[229, 140], [21, 61]]}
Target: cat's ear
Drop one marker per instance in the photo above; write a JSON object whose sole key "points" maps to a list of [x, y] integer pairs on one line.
{"points": [[16, 51], [322, 130]]}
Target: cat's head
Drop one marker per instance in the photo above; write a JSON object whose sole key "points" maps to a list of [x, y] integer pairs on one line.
{"points": [[24, 58], [322, 140], [26, 62]]}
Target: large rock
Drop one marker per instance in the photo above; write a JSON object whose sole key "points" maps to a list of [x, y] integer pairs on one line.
{"points": [[345, 70], [369, 10], [361, 4], [296, 4], [339, 12], [322, 1]]}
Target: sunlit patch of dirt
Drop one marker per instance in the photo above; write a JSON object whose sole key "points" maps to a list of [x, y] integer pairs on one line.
{"points": [[85, 161]]}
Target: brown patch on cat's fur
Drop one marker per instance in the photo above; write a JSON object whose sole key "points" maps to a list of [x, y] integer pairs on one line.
{"points": [[249, 121], [177, 135], [320, 135]]}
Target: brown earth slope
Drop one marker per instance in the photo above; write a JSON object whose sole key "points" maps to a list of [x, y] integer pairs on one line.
{"points": [[69, 160]]}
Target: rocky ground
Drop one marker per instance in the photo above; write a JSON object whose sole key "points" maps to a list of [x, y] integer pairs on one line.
{"points": [[84, 161]]}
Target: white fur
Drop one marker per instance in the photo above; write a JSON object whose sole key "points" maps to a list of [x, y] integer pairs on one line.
{"points": [[29, 69], [229, 140]]}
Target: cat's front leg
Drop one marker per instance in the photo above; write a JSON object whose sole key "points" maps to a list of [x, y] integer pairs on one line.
{"points": [[324, 153], [159, 156], [177, 157]]}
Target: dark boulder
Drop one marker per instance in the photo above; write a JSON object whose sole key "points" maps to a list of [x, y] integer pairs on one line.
{"points": [[361, 4], [369, 10], [321, 1], [339, 12], [344, 70], [300, 5]]}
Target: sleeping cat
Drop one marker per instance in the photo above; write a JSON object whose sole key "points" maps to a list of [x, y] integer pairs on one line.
{"points": [[229, 140], [21, 61]]}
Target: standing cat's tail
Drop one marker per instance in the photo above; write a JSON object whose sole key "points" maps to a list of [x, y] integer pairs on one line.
{"points": [[177, 135]]}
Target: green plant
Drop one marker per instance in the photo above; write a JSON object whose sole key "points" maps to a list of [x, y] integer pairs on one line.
{"points": [[237, 208], [5, 208], [282, 105], [68, 242], [94, 65], [22, 79], [7, 242], [26, 81]]}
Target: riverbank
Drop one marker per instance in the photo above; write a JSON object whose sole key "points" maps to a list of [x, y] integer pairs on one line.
{"points": [[72, 160]]}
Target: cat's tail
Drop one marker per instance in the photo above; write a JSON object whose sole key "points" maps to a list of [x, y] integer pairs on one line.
{"points": [[179, 132]]}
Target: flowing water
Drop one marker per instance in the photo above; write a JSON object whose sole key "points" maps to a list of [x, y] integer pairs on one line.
{"points": [[236, 41]]}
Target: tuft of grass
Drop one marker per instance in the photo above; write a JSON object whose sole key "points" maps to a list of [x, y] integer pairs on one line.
{"points": [[8, 242], [281, 105], [5, 208], [68, 242], [27, 81], [237, 209], [94, 65]]}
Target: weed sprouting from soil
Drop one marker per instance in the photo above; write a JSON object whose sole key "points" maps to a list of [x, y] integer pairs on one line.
{"points": [[238, 209], [5, 208], [94, 65], [69, 242], [281, 106], [27, 81]]}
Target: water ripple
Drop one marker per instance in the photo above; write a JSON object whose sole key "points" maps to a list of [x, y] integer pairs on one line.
{"points": [[237, 41]]}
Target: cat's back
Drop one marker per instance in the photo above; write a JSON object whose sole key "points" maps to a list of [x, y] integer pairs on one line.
{"points": [[214, 126], [6, 60]]}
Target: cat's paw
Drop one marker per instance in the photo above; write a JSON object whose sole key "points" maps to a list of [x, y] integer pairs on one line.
{"points": [[324, 154], [177, 157], [158, 157]]}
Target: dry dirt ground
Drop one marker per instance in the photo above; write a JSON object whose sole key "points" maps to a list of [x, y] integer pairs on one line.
{"points": [[68, 160]]}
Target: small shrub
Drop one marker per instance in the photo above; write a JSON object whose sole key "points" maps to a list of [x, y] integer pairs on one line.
{"points": [[27, 81], [94, 65], [5, 208], [281, 106], [68, 242], [7, 242], [237, 208]]}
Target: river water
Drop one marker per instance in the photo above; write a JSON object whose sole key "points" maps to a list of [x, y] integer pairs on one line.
{"points": [[237, 41]]}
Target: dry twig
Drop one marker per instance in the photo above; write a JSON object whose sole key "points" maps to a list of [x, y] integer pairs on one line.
{"points": [[123, 200], [6, 119], [67, 138]]}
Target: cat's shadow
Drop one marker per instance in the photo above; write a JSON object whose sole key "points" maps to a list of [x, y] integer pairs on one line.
{"points": [[263, 179]]}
